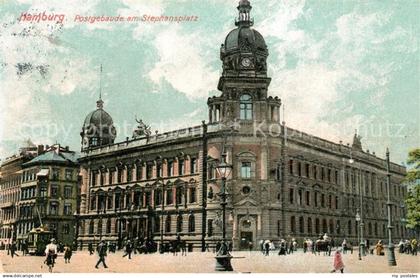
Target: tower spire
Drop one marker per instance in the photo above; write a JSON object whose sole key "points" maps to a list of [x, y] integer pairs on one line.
{"points": [[244, 18], [100, 103]]}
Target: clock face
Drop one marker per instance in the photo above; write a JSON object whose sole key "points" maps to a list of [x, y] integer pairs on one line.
{"points": [[246, 62]]}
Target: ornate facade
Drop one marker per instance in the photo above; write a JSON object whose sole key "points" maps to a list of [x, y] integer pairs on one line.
{"points": [[284, 183]]}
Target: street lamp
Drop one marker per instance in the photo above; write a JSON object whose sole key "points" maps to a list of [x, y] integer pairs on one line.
{"points": [[391, 255], [223, 256], [360, 179], [357, 221]]}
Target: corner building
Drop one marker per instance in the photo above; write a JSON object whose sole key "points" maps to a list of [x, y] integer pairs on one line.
{"points": [[284, 183]]}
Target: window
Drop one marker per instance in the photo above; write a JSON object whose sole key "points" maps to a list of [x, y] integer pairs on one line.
{"points": [[245, 107], [330, 201], [67, 209], [149, 171], [209, 227], [178, 194], [67, 192], [120, 175], [301, 225], [329, 175], [191, 223], [316, 199], [169, 197], [291, 193], [193, 195], [111, 176], [93, 178], [299, 169], [292, 224], [315, 172], [168, 224], [323, 200], [69, 174], [139, 169], [246, 170], [66, 229], [180, 167], [158, 197], [91, 227], [291, 167], [109, 201], [94, 141], [158, 170], [349, 230], [300, 194], [309, 225], [336, 202], [193, 165], [55, 174], [308, 198], [54, 190], [54, 209], [307, 170], [322, 173], [129, 173], [179, 224], [336, 177], [108, 226], [170, 168]]}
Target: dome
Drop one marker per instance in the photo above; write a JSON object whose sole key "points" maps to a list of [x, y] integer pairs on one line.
{"points": [[97, 118], [98, 128], [245, 36]]}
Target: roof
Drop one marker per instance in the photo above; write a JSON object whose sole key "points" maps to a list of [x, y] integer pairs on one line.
{"points": [[54, 156]]}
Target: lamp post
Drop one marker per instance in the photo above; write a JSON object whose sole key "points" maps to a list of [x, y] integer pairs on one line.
{"points": [[357, 221], [391, 255], [223, 256], [360, 179]]}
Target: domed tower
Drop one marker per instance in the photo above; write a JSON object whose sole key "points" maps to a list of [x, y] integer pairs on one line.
{"points": [[244, 82], [98, 128]]}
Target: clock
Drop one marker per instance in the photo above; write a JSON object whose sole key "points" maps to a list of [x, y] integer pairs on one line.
{"points": [[246, 62]]}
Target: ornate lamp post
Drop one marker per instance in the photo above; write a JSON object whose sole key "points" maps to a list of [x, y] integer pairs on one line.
{"points": [[362, 242], [391, 255], [357, 221], [223, 256]]}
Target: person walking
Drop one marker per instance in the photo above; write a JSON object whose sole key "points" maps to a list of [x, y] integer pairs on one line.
{"points": [[338, 262], [101, 249], [13, 249], [183, 248], [51, 254], [128, 249], [379, 248], [344, 246], [67, 253], [414, 246]]}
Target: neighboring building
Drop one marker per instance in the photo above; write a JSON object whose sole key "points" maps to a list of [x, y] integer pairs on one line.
{"points": [[284, 183], [48, 194], [11, 177]]}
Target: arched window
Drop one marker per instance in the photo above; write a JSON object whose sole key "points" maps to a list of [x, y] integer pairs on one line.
{"points": [[376, 229], [324, 225], [331, 226], [317, 226], [168, 224], [191, 223], [246, 107], [179, 224], [370, 228]]}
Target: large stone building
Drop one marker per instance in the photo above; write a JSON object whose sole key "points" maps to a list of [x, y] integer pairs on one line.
{"points": [[48, 194], [10, 181], [284, 183]]}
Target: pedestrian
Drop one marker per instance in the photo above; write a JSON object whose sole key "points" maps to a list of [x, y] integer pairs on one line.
{"points": [[379, 248], [267, 247], [128, 249], [67, 253], [90, 248], [344, 246], [51, 254], [338, 262], [250, 246], [101, 249], [183, 248], [305, 245], [414, 245], [282, 250], [13, 249]]}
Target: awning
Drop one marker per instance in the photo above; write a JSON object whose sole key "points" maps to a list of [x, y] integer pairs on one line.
{"points": [[43, 173]]}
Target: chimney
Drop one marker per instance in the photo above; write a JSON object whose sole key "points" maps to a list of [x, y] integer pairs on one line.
{"points": [[40, 149]]}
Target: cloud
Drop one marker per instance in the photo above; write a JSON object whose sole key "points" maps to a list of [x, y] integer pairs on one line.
{"points": [[182, 63]]}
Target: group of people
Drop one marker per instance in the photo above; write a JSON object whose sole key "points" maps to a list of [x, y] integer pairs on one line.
{"points": [[284, 246], [408, 247]]}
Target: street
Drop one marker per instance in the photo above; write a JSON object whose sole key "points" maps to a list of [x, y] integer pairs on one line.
{"points": [[197, 262]]}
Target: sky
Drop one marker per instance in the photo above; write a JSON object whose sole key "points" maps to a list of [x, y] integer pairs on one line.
{"points": [[337, 66]]}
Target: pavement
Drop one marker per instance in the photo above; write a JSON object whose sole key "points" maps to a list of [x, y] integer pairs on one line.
{"points": [[197, 262]]}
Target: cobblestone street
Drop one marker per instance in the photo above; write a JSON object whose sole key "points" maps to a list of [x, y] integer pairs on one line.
{"points": [[204, 263]]}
